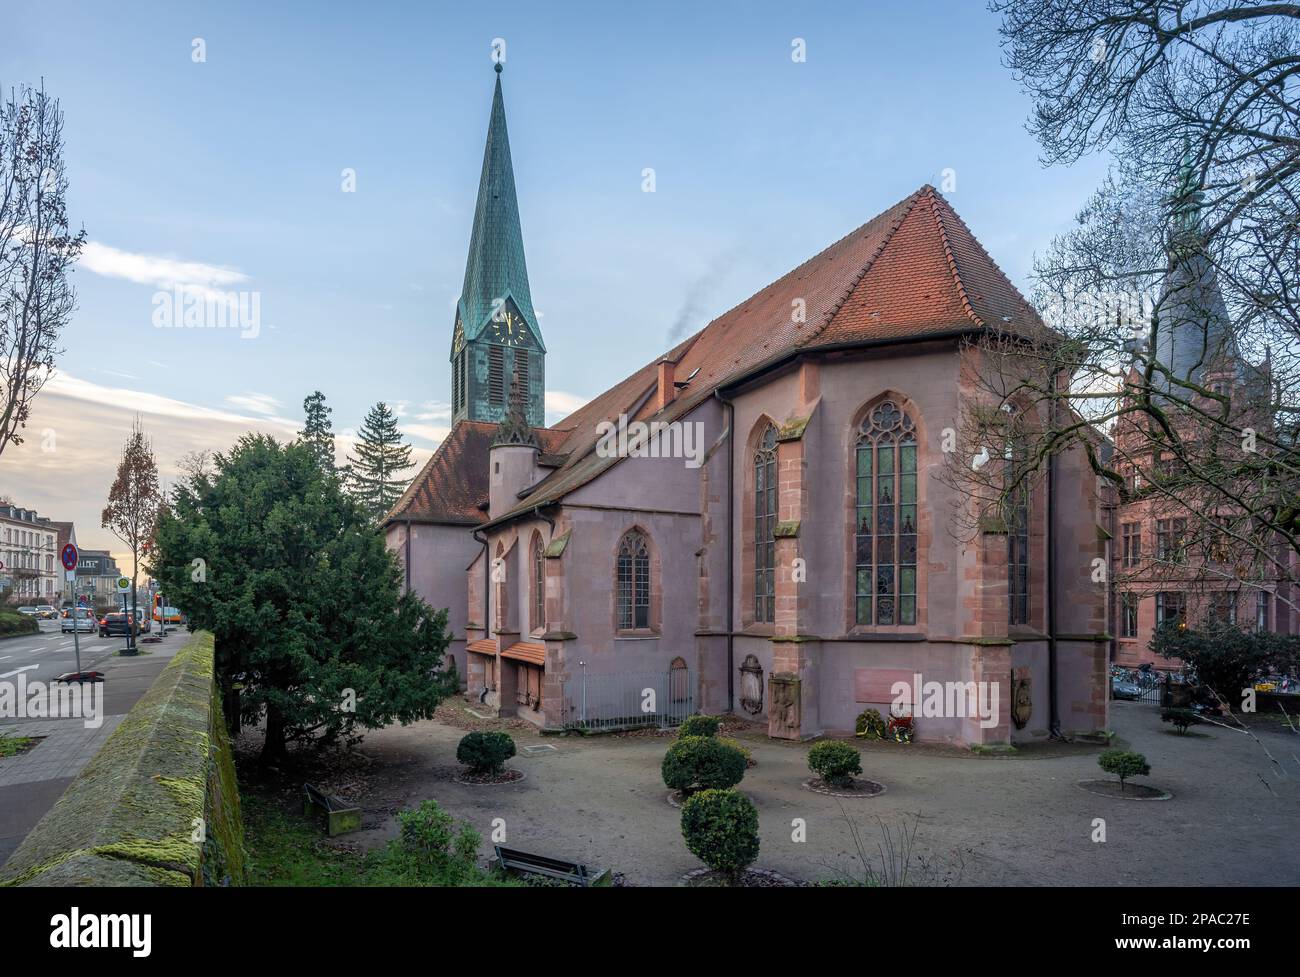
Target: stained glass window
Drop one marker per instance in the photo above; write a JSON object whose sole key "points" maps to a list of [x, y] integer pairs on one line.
{"points": [[633, 594], [1017, 508], [539, 583], [765, 527], [886, 519]]}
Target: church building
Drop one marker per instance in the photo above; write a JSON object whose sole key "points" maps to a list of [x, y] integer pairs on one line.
{"points": [[753, 523]]}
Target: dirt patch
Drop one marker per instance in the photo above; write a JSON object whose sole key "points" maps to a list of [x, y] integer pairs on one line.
{"points": [[642, 732], [754, 878], [489, 779], [456, 714], [856, 787], [1130, 792], [738, 728]]}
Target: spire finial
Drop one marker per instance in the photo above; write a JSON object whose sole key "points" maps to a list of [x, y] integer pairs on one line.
{"points": [[498, 67], [1188, 197]]}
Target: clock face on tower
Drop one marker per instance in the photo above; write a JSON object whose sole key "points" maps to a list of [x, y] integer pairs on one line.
{"points": [[507, 327]]}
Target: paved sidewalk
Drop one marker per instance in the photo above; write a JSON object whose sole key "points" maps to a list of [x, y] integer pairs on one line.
{"points": [[31, 782], [67, 747]]}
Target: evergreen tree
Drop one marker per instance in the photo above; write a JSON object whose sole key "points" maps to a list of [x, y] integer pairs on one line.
{"points": [[315, 632], [316, 432], [374, 475]]}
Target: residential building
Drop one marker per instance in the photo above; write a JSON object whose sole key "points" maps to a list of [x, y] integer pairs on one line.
{"points": [[29, 549]]}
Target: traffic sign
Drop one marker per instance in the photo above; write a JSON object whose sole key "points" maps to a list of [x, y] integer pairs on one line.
{"points": [[123, 584], [69, 557]]}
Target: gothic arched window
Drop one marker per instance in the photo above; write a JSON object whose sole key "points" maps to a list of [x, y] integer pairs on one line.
{"points": [[633, 590], [1016, 486], [885, 518], [765, 527], [539, 583]]}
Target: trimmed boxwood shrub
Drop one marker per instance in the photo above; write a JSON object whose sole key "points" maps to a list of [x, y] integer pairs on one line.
{"points": [[485, 752], [834, 762], [701, 763], [721, 830], [700, 726], [737, 745], [1123, 764]]}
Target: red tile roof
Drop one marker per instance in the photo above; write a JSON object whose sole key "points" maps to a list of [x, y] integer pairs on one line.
{"points": [[452, 488], [914, 271], [527, 651], [484, 646]]}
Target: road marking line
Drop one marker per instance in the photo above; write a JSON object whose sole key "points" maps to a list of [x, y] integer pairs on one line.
{"points": [[17, 670]]}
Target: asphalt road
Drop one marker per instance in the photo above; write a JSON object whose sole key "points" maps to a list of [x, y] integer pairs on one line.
{"points": [[51, 653], [30, 783]]}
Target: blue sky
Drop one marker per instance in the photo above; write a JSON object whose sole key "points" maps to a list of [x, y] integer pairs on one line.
{"points": [[234, 165]]}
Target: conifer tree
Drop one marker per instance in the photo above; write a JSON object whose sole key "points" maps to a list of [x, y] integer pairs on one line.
{"points": [[317, 432], [316, 634], [375, 475]]}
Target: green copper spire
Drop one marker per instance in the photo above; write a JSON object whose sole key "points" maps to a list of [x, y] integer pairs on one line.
{"points": [[496, 270], [1188, 198]]}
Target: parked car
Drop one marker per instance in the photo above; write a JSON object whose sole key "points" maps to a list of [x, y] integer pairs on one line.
{"points": [[117, 623], [1123, 689], [78, 619], [29, 611], [47, 612]]}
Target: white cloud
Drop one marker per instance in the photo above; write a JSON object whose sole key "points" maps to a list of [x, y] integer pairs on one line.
{"points": [[147, 269], [198, 278], [263, 404], [433, 433], [137, 401], [560, 403], [73, 442], [434, 410]]}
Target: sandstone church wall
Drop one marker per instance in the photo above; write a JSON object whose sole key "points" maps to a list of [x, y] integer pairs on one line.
{"points": [[439, 556]]}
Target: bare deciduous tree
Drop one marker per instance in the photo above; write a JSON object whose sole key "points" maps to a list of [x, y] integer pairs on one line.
{"points": [[134, 500], [1175, 299], [37, 251]]}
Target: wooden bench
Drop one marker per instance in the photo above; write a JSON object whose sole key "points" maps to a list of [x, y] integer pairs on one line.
{"points": [[340, 818], [511, 860]]}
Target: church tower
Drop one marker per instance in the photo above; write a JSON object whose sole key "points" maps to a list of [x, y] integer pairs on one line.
{"points": [[496, 338]]}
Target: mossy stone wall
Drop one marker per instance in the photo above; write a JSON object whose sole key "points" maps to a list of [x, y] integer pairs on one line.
{"points": [[159, 803]]}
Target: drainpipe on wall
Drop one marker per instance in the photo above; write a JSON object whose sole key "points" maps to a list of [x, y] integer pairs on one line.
{"points": [[731, 556], [1054, 717], [482, 540], [539, 514]]}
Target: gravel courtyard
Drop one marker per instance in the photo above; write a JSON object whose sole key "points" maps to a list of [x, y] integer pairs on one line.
{"points": [[983, 820]]}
